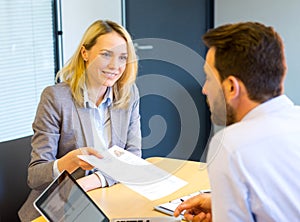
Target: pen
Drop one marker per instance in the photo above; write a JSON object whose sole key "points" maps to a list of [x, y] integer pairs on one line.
{"points": [[205, 191]]}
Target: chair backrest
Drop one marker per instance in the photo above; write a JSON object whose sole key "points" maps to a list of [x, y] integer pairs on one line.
{"points": [[14, 159]]}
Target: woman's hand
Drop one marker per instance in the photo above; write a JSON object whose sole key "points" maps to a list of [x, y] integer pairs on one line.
{"points": [[71, 161], [89, 182]]}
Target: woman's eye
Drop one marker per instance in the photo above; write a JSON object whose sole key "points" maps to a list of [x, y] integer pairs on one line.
{"points": [[123, 58], [105, 55]]}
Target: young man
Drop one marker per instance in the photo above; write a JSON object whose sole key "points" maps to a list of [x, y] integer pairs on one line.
{"points": [[253, 163]]}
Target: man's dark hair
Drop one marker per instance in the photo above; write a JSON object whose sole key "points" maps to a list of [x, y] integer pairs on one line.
{"points": [[251, 52]]}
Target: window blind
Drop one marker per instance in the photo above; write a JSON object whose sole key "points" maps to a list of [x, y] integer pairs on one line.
{"points": [[27, 62]]}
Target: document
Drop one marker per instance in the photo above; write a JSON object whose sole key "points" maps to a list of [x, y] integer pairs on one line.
{"points": [[136, 173], [169, 207]]}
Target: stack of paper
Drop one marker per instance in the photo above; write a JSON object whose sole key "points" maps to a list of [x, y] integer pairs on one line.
{"points": [[136, 173]]}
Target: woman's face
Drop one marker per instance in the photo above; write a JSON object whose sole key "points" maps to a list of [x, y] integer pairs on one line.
{"points": [[106, 60]]}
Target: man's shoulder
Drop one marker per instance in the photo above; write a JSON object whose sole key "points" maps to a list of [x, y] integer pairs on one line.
{"points": [[235, 136]]}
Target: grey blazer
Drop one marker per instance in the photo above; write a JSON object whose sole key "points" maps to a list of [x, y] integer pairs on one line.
{"points": [[61, 126]]}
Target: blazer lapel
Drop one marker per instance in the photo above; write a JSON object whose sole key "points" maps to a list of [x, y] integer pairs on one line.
{"points": [[116, 129], [86, 125]]}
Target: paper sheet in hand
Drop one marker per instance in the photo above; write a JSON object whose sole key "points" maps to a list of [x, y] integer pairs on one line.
{"points": [[136, 173]]}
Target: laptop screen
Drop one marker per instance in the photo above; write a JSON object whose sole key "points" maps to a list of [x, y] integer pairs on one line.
{"points": [[64, 200]]}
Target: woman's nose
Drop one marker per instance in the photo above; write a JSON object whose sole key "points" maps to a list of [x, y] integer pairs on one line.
{"points": [[113, 63]]}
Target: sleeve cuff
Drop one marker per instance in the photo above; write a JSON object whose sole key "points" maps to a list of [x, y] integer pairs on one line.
{"points": [[55, 170], [102, 179]]}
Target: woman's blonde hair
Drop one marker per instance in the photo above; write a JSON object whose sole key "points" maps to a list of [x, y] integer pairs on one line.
{"points": [[73, 73]]}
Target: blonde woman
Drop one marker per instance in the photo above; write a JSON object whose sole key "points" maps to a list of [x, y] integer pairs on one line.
{"points": [[95, 106]]}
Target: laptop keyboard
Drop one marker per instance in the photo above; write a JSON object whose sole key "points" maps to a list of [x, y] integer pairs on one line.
{"points": [[133, 221]]}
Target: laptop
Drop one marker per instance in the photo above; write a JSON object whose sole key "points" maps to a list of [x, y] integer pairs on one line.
{"points": [[65, 201]]}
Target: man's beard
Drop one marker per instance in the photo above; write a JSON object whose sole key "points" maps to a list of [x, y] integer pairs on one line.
{"points": [[221, 116], [230, 115]]}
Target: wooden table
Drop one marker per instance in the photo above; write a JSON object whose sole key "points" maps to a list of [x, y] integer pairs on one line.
{"points": [[113, 200]]}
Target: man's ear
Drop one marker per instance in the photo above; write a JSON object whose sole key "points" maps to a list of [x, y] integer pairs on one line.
{"points": [[231, 87]]}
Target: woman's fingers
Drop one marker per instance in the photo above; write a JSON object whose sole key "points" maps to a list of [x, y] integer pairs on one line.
{"points": [[89, 151]]}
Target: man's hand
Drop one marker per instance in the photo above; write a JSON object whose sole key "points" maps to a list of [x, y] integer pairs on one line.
{"points": [[197, 208]]}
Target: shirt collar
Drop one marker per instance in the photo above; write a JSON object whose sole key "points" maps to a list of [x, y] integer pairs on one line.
{"points": [[107, 99], [272, 105]]}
